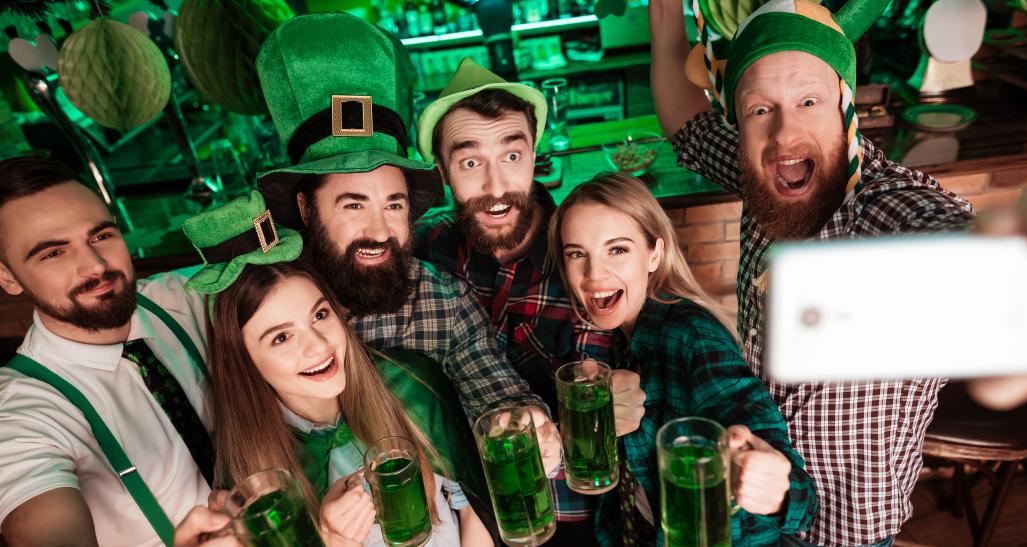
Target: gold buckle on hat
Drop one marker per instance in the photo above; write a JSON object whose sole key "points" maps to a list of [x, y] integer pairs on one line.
{"points": [[367, 125], [258, 223]]}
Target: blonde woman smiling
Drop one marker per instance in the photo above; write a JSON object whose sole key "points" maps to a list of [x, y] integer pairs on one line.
{"points": [[621, 261]]}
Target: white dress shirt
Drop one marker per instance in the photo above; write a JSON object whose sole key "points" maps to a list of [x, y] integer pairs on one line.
{"points": [[46, 442]]}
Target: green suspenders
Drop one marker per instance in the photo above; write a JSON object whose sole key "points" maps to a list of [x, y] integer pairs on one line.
{"points": [[180, 333], [108, 443]]}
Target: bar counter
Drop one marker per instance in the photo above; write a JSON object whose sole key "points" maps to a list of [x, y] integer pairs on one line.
{"points": [[996, 142]]}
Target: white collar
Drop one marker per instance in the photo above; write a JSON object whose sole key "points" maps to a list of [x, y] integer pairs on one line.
{"points": [[42, 341], [303, 424]]}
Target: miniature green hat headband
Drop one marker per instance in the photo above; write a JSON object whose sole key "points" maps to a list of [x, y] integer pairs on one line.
{"points": [[718, 64], [230, 236]]}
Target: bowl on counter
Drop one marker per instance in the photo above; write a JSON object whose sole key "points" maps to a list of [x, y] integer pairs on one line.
{"points": [[635, 154]]}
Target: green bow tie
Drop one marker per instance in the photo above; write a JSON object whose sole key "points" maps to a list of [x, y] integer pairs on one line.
{"points": [[317, 458]]}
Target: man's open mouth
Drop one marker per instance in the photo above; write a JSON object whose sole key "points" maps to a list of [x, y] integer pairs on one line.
{"points": [[605, 300], [792, 175], [499, 210], [371, 253]]}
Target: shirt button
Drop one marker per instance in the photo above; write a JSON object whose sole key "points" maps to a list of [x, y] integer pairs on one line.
{"points": [[752, 332]]}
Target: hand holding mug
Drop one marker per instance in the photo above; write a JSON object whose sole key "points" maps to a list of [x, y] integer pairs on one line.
{"points": [[203, 527], [628, 401], [549, 445], [759, 472], [347, 512]]}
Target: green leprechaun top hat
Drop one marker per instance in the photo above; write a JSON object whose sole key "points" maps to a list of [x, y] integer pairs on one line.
{"points": [[469, 79], [339, 92], [717, 64], [233, 235]]}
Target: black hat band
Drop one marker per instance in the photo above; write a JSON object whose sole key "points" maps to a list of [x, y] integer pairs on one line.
{"points": [[349, 116], [263, 236]]}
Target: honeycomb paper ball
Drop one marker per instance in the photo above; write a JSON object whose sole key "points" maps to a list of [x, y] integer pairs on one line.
{"points": [[114, 74], [218, 41]]}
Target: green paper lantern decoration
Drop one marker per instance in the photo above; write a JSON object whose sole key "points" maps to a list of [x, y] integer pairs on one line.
{"points": [[218, 41], [114, 74]]}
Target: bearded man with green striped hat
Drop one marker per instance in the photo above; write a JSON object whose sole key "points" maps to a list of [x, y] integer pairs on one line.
{"points": [[783, 136]]}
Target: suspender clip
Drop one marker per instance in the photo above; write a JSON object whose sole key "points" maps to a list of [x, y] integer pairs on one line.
{"points": [[127, 471]]}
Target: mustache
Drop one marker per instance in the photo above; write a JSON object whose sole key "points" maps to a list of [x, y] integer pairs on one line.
{"points": [[481, 204], [809, 152], [88, 285]]}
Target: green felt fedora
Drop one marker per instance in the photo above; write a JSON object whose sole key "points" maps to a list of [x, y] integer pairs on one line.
{"points": [[230, 236], [339, 92], [470, 78]]}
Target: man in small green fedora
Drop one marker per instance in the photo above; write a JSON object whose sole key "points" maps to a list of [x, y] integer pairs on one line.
{"points": [[341, 103], [482, 132]]}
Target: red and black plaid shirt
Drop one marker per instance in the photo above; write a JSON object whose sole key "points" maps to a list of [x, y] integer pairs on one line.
{"points": [[525, 298], [861, 442]]}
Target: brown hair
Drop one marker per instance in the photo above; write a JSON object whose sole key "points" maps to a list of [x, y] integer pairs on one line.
{"points": [[251, 434], [23, 176], [489, 104], [630, 196]]}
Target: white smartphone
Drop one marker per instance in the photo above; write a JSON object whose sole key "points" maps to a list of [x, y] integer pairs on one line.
{"points": [[898, 307]]}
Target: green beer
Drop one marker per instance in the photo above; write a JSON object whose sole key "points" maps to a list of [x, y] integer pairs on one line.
{"points": [[694, 498], [394, 473], [268, 510], [278, 520], [520, 490], [403, 513], [517, 480], [589, 437]]}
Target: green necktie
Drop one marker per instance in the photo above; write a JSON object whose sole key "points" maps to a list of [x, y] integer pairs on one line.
{"points": [[170, 396]]}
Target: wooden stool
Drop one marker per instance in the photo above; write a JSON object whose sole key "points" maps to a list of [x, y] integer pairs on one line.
{"points": [[995, 443]]}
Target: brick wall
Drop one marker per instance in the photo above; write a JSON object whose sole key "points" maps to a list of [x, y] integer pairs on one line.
{"points": [[709, 236], [709, 233]]}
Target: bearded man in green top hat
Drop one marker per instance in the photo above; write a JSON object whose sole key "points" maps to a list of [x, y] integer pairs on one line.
{"points": [[784, 137], [339, 91]]}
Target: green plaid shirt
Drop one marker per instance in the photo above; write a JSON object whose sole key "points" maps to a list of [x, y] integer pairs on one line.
{"points": [[444, 321], [690, 366]]}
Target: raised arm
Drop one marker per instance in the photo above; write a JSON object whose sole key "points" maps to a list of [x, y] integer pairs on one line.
{"points": [[677, 100], [35, 521]]}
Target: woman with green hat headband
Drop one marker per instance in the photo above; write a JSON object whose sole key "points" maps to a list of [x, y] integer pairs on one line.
{"points": [[292, 385]]}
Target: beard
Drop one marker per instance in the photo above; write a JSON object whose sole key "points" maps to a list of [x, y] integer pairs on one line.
{"points": [[784, 219], [364, 289], [486, 240], [112, 310]]}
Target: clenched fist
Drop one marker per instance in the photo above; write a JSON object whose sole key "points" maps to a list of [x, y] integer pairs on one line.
{"points": [[628, 401], [760, 472]]}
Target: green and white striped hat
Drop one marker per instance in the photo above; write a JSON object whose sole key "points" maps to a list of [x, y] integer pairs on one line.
{"points": [[717, 64]]}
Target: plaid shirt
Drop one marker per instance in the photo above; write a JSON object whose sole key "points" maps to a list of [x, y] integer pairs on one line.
{"points": [[442, 321], [530, 309], [690, 366], [525, 299], [862, 441]]}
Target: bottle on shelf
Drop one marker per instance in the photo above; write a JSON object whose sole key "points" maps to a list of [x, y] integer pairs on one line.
{"points": [[412, 23], [424, 20]]}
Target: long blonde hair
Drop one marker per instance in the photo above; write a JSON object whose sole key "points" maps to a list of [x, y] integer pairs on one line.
{"points": [[630, 196], [251, 434]]}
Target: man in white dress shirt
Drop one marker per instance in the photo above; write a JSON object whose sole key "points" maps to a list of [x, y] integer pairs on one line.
{"points": [[60, 246]]}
